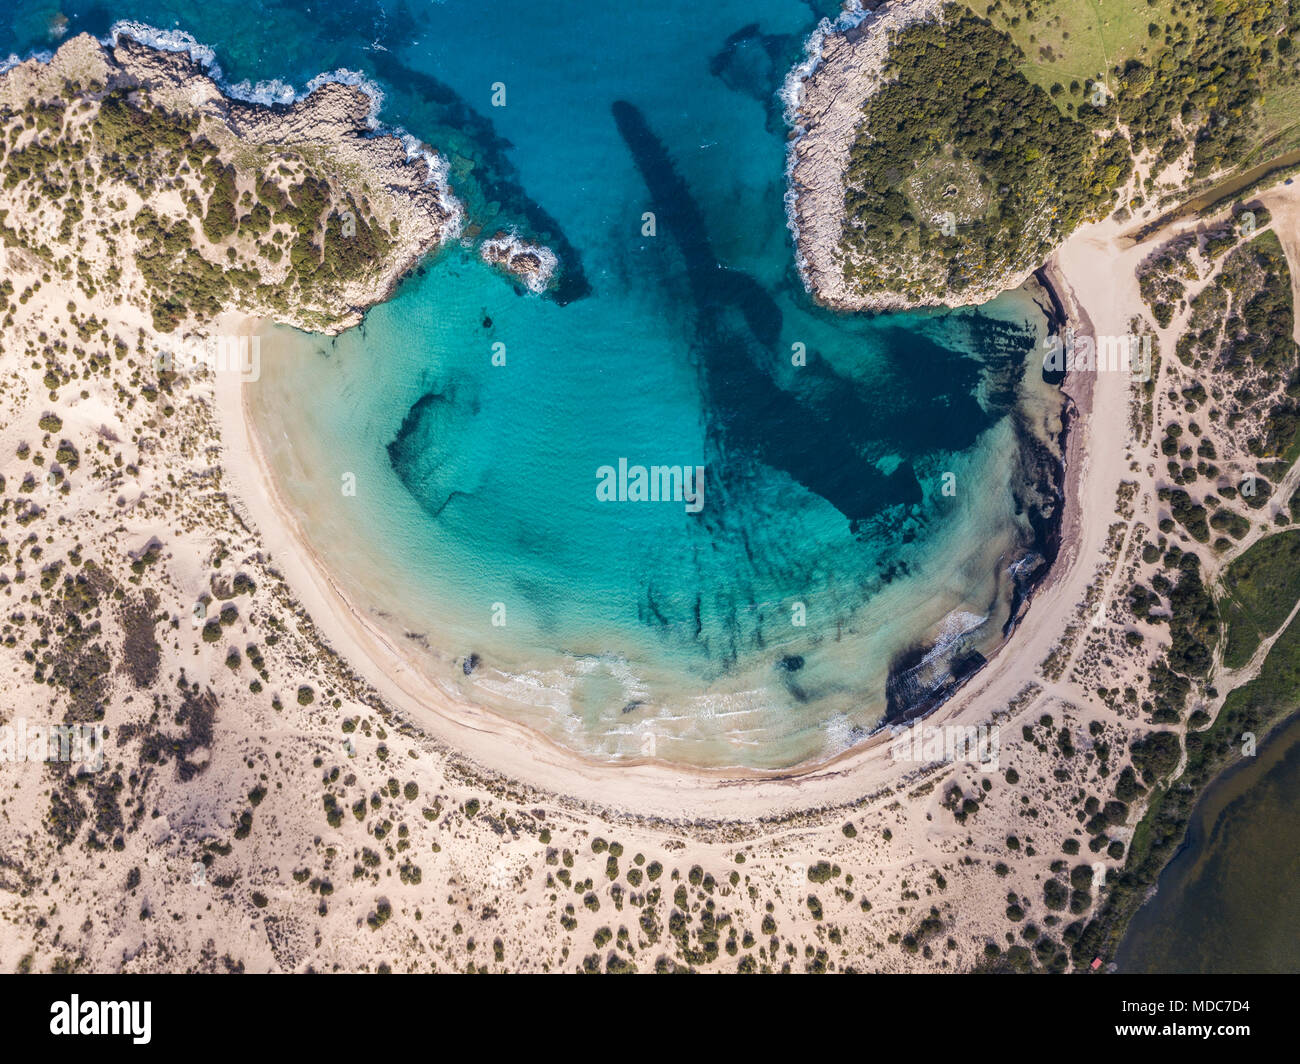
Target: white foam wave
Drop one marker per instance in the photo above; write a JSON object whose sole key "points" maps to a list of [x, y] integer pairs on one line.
{"points": [[839, 735], [512, 244], [953, 627], [554, 688], [440, 178], [273, 91], [539, 690], [15, 60], [719, 705], [791, 95], [166, 41]]}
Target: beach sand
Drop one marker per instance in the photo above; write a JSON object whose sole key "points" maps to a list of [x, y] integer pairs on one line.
{"points": [[292, 794]]}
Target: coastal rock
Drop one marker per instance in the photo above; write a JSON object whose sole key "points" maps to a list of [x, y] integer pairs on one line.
{"points": [[530, 263], [335, 117], [845, 64], [399, 185], [824, 96]]}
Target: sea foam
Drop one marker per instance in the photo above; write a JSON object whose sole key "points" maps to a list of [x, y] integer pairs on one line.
{"points": [[276, 92], [791, 95]]}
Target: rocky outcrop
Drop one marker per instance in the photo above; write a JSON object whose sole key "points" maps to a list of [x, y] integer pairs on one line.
{"points": [[844, 65], [334, 117], [532, 264], [330, 133]]}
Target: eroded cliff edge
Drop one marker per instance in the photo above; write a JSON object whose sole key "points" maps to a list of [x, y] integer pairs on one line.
{"points": [[191, 202], [925, 169]]}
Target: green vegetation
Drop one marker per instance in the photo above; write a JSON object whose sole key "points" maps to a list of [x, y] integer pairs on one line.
{"points": [[1208, 73], [1219, 76], [1194, 626], [242, 217], [960, 129], [1194, 632], [992, 139], [1075, 40], [1253, 710], [1191, 515], [1161, 277], [1260, 589], [1242, 326]]}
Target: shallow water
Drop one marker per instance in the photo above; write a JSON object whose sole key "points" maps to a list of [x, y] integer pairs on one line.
{"points": [[759, 631]]}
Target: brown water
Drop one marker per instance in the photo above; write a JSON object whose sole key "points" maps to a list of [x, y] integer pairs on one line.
{"points": [[1216, 193], [1230, 900]]}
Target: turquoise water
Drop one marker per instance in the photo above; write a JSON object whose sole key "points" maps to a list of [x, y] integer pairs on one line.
{"points": [[781, 621]]}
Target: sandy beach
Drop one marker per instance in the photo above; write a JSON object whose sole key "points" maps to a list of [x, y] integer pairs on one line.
{"points": [[285, 790], [685, 792]]}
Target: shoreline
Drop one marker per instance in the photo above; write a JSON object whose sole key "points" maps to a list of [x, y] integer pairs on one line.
{"points": [[499, 744], [323, 737], [1046, 546], [822, 132], [511, 748]]}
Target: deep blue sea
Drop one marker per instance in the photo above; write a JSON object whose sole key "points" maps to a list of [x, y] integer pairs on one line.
{"points": [[875, 489]]}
